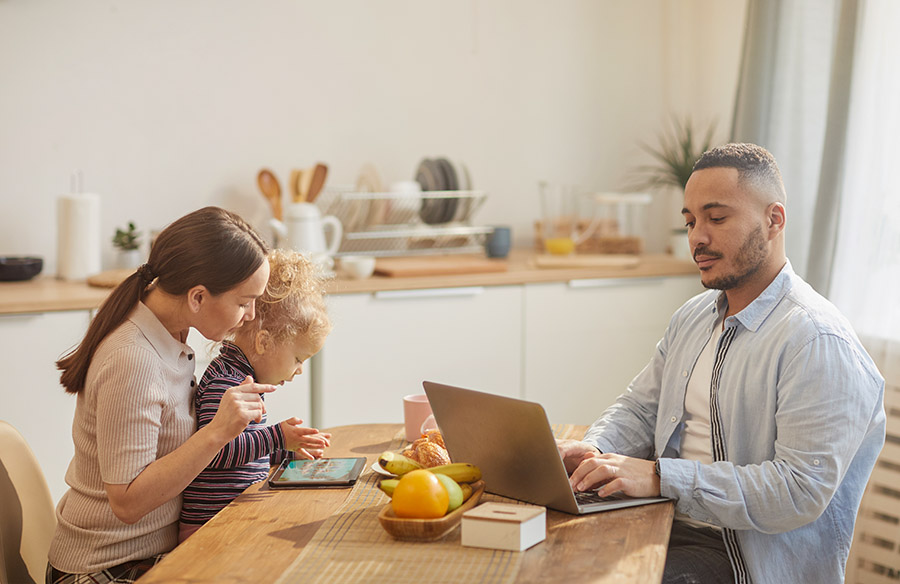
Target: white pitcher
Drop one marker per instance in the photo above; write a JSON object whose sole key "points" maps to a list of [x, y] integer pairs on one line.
{"points": [[304, 230]]}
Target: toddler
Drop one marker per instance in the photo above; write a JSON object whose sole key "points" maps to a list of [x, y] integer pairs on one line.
{"points": [[290, 327]]}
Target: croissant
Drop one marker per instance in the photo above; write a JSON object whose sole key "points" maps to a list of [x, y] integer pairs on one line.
{"points": [[428, 453]]}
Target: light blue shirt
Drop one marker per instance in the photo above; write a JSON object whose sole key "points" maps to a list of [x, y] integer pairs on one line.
{"points": [[799, 408]]}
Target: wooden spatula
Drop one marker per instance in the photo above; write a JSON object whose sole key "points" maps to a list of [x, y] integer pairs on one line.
{"points": [[294, 185], [303, 183], [320, 173]]}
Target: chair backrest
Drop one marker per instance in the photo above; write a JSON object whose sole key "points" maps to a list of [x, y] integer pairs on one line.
{"points": [[875, 553], [27, 516]]}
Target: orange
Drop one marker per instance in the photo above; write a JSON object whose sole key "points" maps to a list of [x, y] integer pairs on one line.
{"points": [[420, 495]]}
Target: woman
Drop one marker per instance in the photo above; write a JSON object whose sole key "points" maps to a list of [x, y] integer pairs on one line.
{"points": [[136, 448]]}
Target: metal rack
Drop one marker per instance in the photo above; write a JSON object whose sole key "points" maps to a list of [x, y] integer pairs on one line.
{"points": [[397, 224]]}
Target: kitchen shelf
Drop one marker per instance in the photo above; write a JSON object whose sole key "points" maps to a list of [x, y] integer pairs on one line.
{"points": [[401, 224]]}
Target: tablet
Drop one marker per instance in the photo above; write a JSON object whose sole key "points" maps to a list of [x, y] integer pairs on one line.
{"points": [[323, 472]]}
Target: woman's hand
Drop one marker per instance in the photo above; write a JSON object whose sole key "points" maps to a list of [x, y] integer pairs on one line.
{"points": [[306, 442], [635, 477], [240, 405]]}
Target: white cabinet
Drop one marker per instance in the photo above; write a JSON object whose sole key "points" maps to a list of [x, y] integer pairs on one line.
{"points": [[585, 340], [291, 399], [385, 344], [34, 401]]}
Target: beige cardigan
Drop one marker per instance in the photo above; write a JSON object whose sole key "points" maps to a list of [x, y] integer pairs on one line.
{"points": [[136, 407]]}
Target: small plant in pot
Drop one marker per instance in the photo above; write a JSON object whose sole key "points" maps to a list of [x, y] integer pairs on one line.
{"points": [[679, 148], [128, 242]]}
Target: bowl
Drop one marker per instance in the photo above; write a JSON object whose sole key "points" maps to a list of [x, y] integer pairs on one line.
{"points": [[358, 267], [14, 269], [427, 529]]}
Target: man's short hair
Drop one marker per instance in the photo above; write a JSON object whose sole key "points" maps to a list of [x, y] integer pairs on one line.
{"points": [[755, 165]]}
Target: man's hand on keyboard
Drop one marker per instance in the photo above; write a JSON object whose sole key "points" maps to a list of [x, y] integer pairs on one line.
{"points": [[634, 477]]}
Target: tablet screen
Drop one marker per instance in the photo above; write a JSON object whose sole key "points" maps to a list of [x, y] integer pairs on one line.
{"points": [[324, 472]]}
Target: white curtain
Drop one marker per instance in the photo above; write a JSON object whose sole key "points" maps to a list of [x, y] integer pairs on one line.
{"points": [[820, 88], [865, 274], [783, 101]]}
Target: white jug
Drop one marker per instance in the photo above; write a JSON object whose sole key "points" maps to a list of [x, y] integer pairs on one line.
{"points": [[304, 230]]}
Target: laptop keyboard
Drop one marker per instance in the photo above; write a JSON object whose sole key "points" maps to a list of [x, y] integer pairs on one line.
{"points": [[588, 497]]}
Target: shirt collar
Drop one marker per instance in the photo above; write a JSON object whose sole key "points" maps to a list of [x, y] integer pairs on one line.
{"points": [[755, 313], [168, 348]]}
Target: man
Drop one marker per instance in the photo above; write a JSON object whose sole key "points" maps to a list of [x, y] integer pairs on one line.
{"points": [[760, 414]]}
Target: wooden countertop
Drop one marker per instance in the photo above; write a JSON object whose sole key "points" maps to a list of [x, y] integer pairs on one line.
{"points": [[47, 294]]}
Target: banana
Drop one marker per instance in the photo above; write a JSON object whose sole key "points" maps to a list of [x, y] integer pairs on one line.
{"points": [[466, 491], [388, 486], [397, 464], [461, 472]]}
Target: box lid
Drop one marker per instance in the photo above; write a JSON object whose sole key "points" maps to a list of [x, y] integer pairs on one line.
{"points": [[504, 512]]}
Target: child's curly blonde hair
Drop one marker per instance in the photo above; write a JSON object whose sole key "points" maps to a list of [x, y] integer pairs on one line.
{"points": [[294, 300]]}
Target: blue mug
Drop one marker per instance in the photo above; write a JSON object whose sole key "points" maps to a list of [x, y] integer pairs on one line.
{"points": [[498, 242]]}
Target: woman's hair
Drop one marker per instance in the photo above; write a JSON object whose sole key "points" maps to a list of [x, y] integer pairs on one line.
{"points": [[210, 247], [294, 300]]}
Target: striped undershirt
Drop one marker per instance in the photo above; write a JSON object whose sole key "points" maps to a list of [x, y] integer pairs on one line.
{"points": [[243, 461]]}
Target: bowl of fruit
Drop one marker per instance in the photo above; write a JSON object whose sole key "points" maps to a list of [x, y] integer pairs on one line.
{"points": [[427, 502]]}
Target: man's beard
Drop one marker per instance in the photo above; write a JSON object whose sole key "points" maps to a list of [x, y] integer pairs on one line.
{"points": [[749, 260]]}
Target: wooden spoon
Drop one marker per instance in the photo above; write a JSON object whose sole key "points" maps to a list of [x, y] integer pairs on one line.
{"points": [[320, 172], [271, 190]]}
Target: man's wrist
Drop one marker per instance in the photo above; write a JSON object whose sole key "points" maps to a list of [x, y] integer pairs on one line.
{"points": [[656, 468]]}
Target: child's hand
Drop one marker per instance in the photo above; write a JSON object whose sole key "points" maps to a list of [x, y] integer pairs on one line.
{"points": [[306, 442]]}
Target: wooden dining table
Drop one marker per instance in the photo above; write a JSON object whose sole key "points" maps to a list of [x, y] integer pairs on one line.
{"points": [[263, 535]]}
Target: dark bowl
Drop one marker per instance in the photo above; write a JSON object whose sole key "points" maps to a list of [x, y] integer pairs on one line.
{"points": [[14, 269]]}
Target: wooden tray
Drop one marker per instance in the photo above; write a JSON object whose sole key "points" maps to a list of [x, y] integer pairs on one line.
{"points": [[427, 529]]}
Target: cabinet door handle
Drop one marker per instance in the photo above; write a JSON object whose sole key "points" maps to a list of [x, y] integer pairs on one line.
{"points": [[611, 282], [429, 293]]}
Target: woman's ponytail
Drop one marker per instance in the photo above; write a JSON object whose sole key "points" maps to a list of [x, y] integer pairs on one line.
{"points": [[113, 312]]}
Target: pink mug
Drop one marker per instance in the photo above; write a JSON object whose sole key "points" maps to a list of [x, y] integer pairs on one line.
{"points": [[415, 410]]}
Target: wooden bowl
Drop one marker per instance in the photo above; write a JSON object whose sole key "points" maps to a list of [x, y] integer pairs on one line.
{"points": [[428, 529]]}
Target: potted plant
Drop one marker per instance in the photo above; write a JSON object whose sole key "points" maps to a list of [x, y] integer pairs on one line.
{"points": [[679, 148], [128, 242]]}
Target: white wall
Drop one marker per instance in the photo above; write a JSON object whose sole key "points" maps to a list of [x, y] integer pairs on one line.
{"points": [[169, 105]]}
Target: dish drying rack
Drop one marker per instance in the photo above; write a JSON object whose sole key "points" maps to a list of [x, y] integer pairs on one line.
{"points": [[402, 224]]}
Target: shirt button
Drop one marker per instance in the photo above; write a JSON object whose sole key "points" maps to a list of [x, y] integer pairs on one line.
{"points": [[192, 383], [684, 373], [190, 356], [673, 419], [816, 461]]}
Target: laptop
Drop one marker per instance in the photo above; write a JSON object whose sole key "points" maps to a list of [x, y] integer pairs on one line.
{"points": [[513, 444]]}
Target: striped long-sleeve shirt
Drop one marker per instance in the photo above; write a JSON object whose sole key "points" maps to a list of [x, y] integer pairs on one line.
{"points": [[243, 461]]}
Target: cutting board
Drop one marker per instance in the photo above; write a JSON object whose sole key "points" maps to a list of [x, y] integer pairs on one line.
{"points": [[109, 278], [437, 266], [587, 261]]}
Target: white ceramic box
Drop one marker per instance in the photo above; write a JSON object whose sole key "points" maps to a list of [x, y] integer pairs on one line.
{"points": [[503, 526]]}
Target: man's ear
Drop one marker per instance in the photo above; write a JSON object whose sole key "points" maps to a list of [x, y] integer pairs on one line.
{"points": [[776, 217], [196, 296], [262, 342]]}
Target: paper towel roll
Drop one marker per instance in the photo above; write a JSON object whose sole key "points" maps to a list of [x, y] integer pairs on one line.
{"points": [[78, 235]]}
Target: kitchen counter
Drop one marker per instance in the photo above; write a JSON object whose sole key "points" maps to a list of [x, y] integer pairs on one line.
{"points": [[47, 294]]}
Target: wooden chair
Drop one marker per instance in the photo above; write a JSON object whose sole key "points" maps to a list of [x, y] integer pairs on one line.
{"points": [[27, 515], [875, 553]]}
